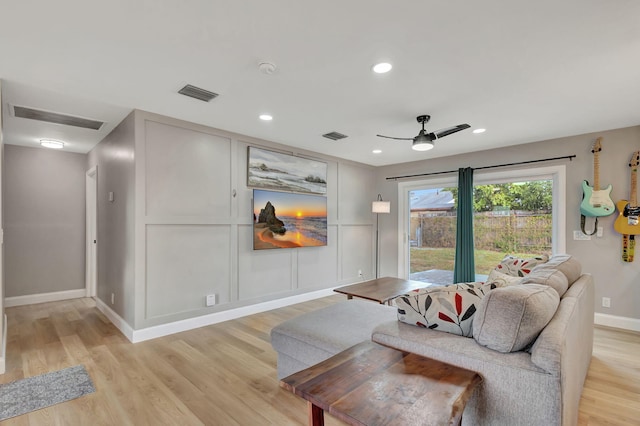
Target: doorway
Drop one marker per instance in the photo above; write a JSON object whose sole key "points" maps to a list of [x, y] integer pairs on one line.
{"points": [[517, 211], [91, 232]]}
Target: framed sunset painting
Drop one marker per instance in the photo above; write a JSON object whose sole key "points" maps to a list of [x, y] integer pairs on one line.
{"points": [[288, 220]]}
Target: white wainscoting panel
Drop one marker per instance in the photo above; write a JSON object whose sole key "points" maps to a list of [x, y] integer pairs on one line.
{"points": [[187, 172], [184, 264], [356, 252], [262, 272], [318, 266]]}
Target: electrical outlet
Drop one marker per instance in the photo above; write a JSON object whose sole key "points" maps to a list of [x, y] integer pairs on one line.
{"points": [[211, 299], [579, 236], [113, 298], [600, 232], [360, 273], [606, 302]]}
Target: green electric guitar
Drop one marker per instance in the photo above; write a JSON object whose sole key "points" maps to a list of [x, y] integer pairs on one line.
{"points": [[595, 201]]}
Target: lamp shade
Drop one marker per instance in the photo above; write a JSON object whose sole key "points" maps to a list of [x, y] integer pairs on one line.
{"points": [[381, 207]]}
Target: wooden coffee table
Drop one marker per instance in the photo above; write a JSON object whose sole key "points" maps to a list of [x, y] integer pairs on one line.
{"points": [[370, 384], [380, 290]]}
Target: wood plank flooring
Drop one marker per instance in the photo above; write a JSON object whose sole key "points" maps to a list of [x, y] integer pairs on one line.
{"points": [[225, 374]]}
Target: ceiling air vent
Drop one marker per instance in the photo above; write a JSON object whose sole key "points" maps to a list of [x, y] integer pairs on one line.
{"points": [[54, 117], [334, 136], [198, 93]]}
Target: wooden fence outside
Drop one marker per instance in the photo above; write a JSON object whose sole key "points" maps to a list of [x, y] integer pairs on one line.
{"points": [[510, 233]]}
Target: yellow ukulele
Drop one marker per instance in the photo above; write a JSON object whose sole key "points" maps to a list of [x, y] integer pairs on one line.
{"points": [[628, 221]]}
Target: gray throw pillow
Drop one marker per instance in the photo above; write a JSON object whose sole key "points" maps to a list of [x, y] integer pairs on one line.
{"points": [[565, 263], [510, 318], [548, 276]]}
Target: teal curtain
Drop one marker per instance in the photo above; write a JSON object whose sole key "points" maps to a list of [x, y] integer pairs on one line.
{"points": [[464, 269]]}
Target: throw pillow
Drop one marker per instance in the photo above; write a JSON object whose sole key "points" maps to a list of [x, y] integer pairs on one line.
{"points": [[449, 308], [510, 318], [518, 267], [498, 279], [567, 264], [548, 275]]}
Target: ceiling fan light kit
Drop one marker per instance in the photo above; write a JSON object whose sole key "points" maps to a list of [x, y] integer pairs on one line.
{"points": [[424, 141], [422, 145]]}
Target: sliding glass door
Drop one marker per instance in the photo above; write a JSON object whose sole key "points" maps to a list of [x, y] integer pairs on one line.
{"points": [[515, 212]]}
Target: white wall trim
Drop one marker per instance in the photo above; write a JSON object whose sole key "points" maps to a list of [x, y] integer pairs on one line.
{"points": [[149, 333], [32, 299], [214, 318], [632, 324], [116, 319]]}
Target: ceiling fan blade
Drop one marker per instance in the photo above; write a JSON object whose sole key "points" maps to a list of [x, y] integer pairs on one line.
{"points": [[449, 130], [399, 139]]}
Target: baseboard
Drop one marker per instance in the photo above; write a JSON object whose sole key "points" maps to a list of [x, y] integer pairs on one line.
{"points": [[32, 299], [116, 319], [624, 323], [204, 320], [149, 333]]}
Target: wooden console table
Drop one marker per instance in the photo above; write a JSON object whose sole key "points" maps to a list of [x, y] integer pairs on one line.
{"points": [[370, 384], [380, 290]]}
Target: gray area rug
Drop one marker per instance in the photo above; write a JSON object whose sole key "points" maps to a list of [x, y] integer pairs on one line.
{"points": [[34, 393]]}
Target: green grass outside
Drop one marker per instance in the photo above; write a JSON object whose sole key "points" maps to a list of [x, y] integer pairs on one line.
{"points": [[425, 258]]}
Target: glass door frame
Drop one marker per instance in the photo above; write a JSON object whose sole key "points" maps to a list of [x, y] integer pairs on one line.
{"points": [[557, 174]]}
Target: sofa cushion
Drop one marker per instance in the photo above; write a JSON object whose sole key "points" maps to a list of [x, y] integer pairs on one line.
{"points": [[519, 267], [510, 318], [547, 275], [565, 263], [497, 279], [449, 308]]}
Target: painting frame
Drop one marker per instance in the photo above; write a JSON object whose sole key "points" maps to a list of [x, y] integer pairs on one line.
{"points": [[288, 220], [278, 171]]}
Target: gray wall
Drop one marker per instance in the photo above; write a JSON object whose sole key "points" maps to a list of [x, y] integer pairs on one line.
{"points": [[600, 256], [114, 158], [181, 224], [44, 221], [2, 291]]}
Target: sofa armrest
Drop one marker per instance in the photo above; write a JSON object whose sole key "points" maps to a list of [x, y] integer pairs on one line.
{"points": [[565, 346], [569, 335]]}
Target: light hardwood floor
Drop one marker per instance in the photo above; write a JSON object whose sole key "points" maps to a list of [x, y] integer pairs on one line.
{"points": [[225, 374]]}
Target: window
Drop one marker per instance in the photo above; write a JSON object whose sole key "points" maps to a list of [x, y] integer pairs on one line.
{"points": [[518, 212]]}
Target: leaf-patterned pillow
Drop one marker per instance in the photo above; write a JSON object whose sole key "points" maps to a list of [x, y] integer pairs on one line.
{"points": [[517, 267], [449, 308]]}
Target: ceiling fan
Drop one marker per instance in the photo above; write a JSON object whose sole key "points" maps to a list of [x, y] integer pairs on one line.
{"points": [[424, 140]]}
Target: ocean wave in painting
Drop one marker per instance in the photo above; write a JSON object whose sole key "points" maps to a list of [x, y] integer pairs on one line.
{"points": [[285, 181], [311, 227]]}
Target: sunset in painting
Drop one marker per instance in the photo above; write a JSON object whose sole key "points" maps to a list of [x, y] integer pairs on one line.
{"points": [[288, 220], [290, 204]]}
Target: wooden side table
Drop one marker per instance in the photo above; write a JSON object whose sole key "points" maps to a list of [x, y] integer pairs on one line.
{"points": [[370, 384], [380, 290]]}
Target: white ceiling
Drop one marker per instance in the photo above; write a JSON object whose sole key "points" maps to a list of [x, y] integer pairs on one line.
{"points": [[524, 70]]}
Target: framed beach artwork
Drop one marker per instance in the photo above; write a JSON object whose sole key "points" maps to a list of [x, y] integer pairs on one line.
{"points": [[283, 172], [288, 220]]}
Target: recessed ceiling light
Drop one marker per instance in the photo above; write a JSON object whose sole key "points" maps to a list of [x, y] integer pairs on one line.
{"points": [[50, 143], [266, 117], [479, 131], [377, 151], [382, 67]]}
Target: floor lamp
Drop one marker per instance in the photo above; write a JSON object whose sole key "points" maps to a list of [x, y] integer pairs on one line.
{"points": [[378, 207]]}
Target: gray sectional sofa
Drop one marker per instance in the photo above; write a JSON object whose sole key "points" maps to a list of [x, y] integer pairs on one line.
{"points": [[540, 385]]}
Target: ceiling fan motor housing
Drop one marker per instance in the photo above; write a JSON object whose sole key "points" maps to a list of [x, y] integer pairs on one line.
{"points": [[423, 118]]}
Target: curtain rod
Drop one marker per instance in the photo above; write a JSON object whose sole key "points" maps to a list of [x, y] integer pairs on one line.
{"points": [[570, 157]]}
